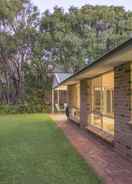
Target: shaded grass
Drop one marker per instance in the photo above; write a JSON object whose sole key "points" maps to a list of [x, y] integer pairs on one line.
{"points": [[34, 151]]}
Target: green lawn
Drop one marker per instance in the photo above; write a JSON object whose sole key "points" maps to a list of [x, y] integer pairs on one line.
{"points": [[34, 151]]}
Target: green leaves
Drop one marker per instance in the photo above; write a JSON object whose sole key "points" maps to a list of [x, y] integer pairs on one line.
{"points": [[89, 31], [29, 42]]}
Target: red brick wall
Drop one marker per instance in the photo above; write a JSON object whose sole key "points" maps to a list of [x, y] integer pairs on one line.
{"points": [[83, 117], [85, 98], [123, 110]]}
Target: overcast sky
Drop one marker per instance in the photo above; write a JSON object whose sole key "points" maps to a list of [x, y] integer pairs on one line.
{"points": [[49, 4]]}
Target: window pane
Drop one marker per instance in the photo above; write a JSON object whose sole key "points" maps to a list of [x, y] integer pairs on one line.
{"points": [[102, 115], [109, 101]]}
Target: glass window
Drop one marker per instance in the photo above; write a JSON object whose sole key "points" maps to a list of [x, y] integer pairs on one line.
{"points": [[102, 112], [97, 100]]}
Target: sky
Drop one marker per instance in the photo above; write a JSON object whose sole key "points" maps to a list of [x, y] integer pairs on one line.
{"points": [[49, 4]]}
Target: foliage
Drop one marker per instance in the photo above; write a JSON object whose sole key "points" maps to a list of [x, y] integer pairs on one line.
{"points": [[30, 42], [84, 34], [27, 107], [18, 25]]}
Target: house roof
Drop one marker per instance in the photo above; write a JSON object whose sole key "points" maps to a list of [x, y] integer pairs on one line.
{"points": [[117, 56], [62, 76], [59, 77]]}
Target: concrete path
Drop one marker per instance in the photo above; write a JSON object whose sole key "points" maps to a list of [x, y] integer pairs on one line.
{"points": [[105, 161]]}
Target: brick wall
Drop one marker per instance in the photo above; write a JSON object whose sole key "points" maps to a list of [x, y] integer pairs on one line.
{"points": [[83, 117], [89, 100], [123, 110], [85, 105]]}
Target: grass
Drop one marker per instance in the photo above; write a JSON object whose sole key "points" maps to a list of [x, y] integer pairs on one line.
{"points": [[34, 151]]}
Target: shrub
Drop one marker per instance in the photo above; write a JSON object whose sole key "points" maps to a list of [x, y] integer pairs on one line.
{"points": [[24, 108]]}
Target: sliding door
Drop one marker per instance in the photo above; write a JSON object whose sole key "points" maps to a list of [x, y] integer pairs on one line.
{"points": [[102, 99]]}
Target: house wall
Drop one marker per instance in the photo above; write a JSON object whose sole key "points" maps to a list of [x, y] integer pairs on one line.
{"points": [[122, 107], [83, 104], [85, 101], [74, 95], [74, 102], [123, 110]]}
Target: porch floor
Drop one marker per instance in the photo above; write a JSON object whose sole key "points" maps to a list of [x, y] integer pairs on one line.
{"points": [[102, 157]]}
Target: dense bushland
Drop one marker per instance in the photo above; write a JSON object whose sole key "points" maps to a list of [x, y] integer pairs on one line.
{"points": [[30, 43]]}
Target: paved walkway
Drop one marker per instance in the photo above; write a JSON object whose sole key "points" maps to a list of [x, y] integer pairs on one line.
{"points": [[107, 163]]}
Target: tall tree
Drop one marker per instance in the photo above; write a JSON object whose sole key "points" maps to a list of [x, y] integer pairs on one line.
{"points": [[29, 42], [17, 28]]}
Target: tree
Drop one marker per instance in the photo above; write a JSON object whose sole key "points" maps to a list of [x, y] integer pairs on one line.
{"points": [[83, 33], [29, 42], [18, 27]]}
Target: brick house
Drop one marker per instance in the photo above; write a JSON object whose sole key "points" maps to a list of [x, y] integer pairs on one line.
{"points": [[100, 98]]}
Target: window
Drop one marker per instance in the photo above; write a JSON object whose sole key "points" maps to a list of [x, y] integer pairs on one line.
{"points": [[97, 100], [109, 101], [102, 111]]}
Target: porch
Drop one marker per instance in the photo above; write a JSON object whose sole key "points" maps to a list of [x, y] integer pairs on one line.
{"points": [[59, 93], [95, 98]]}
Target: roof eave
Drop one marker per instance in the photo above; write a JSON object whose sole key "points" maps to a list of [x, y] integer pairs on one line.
{"points": [[120, 55]]}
